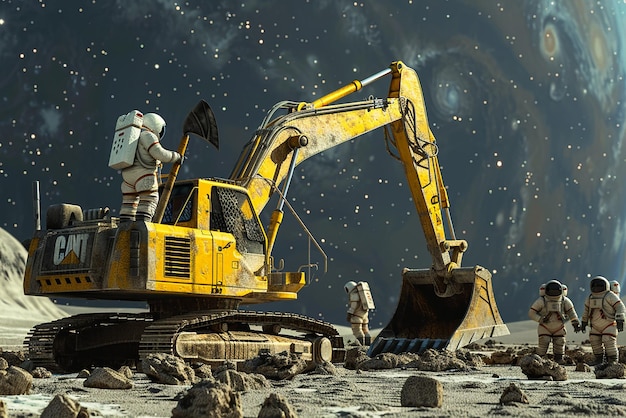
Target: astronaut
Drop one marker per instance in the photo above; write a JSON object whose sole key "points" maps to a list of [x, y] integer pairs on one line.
{"points": [[615, 287], [140, 188], [360, 302], [604, 313], [552, 310]]}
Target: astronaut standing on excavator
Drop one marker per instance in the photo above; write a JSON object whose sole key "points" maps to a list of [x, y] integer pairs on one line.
{"points": [[140, 188]]}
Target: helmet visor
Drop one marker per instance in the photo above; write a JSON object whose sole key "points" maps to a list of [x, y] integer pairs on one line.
{"points": [[553, 289]]}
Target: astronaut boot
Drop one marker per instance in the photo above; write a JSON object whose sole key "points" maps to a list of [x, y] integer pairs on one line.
{"points": [[559, 358], [361, 340], [142, 216], [368, 339], [611, 359], [124, 219], [598, 359]]}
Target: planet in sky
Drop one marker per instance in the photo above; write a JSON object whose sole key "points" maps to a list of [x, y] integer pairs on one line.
{"points": [[526, 100]]}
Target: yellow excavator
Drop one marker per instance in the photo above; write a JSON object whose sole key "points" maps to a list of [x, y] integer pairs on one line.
{"points": [[206, 253]]}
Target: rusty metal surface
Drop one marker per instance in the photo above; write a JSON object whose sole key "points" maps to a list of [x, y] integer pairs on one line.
{"points": [[425, 320]]}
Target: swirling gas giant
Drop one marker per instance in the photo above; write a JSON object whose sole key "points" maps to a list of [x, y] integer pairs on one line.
{"points": [[579, 40]]}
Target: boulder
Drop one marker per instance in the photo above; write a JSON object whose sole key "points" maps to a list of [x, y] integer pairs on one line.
{"points": [[354, 357], [513, 394], [276, 366], [537, 368], [209, 399], [276, 406], [62, 406], [609, 371], [106, 378], [239, 381], [168, 369], [41, 373], [422, 391], [15, 381], [380, 362], [126, 371]]}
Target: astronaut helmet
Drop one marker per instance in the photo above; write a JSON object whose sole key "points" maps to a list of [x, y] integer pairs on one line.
{"points": [[554, 288], [599, 284], [615, 287], [349, 286], [154, 123]]}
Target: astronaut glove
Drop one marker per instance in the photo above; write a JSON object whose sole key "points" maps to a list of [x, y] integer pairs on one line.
{"points": [[583, 326], [620, 325], [576, 326]]}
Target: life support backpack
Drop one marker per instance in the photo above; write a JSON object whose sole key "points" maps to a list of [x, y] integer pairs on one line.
{"points": [[367, 301], [125, 140]]}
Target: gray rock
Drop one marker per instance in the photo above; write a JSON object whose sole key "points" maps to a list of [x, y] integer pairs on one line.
{"points": [[325, 368], [3, 410], [422, 391], [15, 381], [168, 369], [513, 394], [380, 362], [14, 358], [41, 373], [239, 381], [209, 399], [106, 378], [277, 366], [535, 367], [203, 371], [609, 371], [83, 374], [126, 371], [276, 406], [62, 406], [354, 357]]}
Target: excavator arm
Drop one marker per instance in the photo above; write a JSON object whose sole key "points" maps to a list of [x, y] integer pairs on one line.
{"points": [[310, 128], [306, 129]]}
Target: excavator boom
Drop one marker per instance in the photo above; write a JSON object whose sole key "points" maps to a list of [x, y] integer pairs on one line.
{"points": [[456, 304]]}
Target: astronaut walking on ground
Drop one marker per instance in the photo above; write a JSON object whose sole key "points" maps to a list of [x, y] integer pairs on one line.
{"points": [[360, 301], [551, 311], [604, 313]]}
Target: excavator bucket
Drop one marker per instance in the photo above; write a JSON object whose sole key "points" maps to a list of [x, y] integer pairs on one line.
{"points": [[425, 320]]}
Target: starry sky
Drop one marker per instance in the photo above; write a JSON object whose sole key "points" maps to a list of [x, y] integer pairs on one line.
{"points": [[526, 101]]}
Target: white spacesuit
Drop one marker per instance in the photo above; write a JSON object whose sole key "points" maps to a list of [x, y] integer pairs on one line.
{"points": [[552, 310], [140, 187], [359, 303], [604, 313]]}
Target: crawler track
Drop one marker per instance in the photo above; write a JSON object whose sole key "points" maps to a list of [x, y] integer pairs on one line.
{"points": [[114, 339]]}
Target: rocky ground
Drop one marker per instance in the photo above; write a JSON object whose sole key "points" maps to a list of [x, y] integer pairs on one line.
{"points": [[489, 379], [500, 377]]}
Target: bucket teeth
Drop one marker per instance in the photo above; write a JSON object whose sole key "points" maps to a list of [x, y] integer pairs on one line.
{"points": [[425, 319], [405, 345]]}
